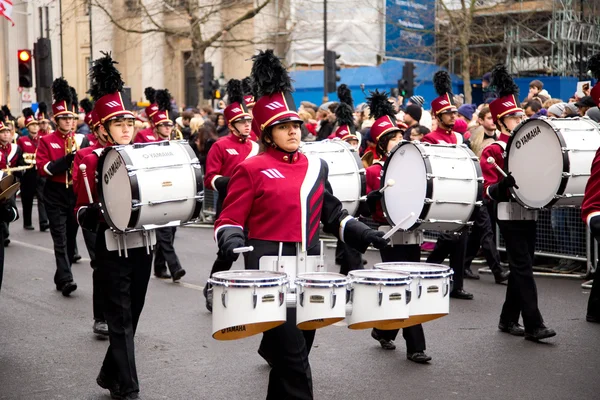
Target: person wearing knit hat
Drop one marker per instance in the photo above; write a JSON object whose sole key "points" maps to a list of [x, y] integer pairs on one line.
{"points": [[387, 135], [412, 116], [521, 292], [224, 156], [279, 198], [32, 185], [124, 280], [556, 110], [416, 99], [54, 161], [466, 111]]}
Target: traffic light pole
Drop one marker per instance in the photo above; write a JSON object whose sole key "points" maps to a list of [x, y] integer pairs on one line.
{"points": [[325, 96]]}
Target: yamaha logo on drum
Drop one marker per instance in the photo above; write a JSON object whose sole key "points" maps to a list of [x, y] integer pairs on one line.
{"points": [[527, 137], [160, 154], [112, 170]]}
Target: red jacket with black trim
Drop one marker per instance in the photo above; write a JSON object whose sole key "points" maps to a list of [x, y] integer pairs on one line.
{"points": [[373, 178], [490, 173], [225, 155], [442, 136], [145, 136]]}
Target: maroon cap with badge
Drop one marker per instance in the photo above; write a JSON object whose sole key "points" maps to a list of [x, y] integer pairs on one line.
{"points": [[383, 112], [106, 90], [506, 103], [443, 87], [236, 109], [61, 93]]}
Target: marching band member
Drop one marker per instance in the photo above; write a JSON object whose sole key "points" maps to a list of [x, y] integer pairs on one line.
{"points": [[517, 225], [54, 160], [279, 196], [10, 157], [44, 119], [386, 135], [88, 107], [249, 102], [590, 209], [165, 237], [224, 156], [148, 134], [31, 183], [454, 245], [124, 279]]}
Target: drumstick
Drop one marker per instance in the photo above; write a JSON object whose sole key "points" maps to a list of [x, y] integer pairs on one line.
{"points": [[491, 160], [243, 249], [82, 168], [390, 182], [397, 226]]}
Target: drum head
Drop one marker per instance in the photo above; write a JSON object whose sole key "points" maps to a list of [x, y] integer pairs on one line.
{"points": [[414, 268], [536, 160], [406, 166], [242, 276], [116, 191], [378, 275]]}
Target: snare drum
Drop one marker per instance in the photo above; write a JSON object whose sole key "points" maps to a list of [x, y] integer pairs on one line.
{"points": [[378, 298], [551, 159], [430, 288], [346, 172], [145, 186], [440, 184], [247, 302], [320, 299]]}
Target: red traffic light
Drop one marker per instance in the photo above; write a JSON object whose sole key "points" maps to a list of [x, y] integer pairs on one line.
{"points": [[24, 55]]}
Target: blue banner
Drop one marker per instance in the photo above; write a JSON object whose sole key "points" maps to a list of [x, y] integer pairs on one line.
{"points": [[410, 29]]}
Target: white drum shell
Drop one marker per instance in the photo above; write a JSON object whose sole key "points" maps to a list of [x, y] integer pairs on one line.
{"points": [[322, 305], [346, 172], [162, 177], [551, 160], [440, 184], [239, 318], [366, 310]]}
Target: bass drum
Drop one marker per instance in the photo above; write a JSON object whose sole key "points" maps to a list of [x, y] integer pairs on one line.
{"points": [[146, 186], [551, 159], [346, 171]]}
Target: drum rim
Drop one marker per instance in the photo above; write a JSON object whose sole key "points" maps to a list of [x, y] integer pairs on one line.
{"points": [[402, 279], [446, 272], [336, 280], [279, 279], [566, 162]]}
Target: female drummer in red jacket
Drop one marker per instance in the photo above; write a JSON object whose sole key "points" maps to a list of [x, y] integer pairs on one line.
{"points": [[124, 279], [386, 135], [280, 196]]}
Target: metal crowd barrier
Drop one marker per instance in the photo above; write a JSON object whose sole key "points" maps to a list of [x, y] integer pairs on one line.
{"points": [[209, 206]]}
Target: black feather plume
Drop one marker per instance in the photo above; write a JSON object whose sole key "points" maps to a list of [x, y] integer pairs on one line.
{"points": [[7, 113], [163, 100], [503, 82], [594, 66], [247, 86], [2, 116], [442, 83], [344, 114], [28, 112], [235, 92], [61, 91], [380, 106], [150, 94], [106, 78], [345, 95], [268, 74], [43, 109], [87, 105], [74, 99]]}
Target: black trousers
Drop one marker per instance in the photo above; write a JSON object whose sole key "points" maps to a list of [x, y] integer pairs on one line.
{"points": [[60, 206], [349, 258], [454, 246], [32, 186], [414, 335], [1, 258], [165, 251], [97, 295], [521, 292], [593, 309], [124, 284], [482, 235]]}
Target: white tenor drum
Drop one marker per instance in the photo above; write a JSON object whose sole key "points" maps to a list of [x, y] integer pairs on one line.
{"points": [[321, 299], [346, 172], [440, 184], [145, 186], [551, 159], [378, 298], [247, 302], [430, 287]]}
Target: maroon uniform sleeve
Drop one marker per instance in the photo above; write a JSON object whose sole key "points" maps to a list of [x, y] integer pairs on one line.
{"points": [[43, 158], [591, 200], [239, 200], [429, 138], [490, 174], [214, 165], [77, 161], [372, 173], [91, 162]]}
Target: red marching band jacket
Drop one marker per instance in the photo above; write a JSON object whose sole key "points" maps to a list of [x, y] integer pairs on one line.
{"points": [[490, 173], [91, 163], [9, 156], [145, 136], [28, 144], [78, 160], [373, 179], [51, 149], [225, 155], [441, 136], [590, 207], [281, 197]]}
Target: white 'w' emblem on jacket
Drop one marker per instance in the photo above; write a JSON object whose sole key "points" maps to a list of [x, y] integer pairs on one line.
{"points": [[233, 152], [272, 173]]}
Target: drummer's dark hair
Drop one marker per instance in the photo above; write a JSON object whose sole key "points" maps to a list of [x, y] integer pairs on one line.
{"points": [[383, 141]]}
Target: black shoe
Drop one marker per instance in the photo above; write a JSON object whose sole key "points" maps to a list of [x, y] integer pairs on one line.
{"points": [[28, 227], [44, 227], [207, 291], [540, 333], [106, 383], [131, 396], [502, 276], [511, 327], [68, 288], [418, 357], [470, 274], [177, 275], [100, 328], [461, 294], [262, 353], [385, 344], [591, 318], [162, 275], [75, 258], [6, 242]]}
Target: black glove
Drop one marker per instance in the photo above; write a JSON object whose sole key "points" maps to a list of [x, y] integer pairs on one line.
{"points": [[62, 164], [499, 191], [230, 241], [372, 199], [507, 182], [221, 184], [595, 227], [7, 212], [88, 217], [376, 238]]}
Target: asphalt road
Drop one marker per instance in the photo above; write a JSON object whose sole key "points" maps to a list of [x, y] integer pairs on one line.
{"points": [[47, 349]]}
